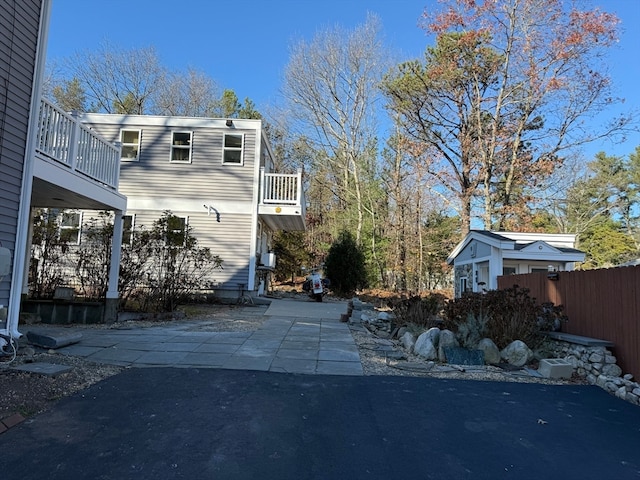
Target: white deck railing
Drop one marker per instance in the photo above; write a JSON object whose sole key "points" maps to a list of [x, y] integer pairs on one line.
{"points": [[281, 188], [62, 138]]}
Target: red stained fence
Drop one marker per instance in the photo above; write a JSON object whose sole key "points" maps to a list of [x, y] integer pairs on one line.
{"points": [[601, 304]]}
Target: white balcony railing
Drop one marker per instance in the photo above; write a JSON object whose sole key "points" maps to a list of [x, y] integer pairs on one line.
{"points": [[62, 138], [281, 188]]}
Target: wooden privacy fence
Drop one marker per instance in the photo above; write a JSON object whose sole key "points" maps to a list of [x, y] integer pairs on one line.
{"points": [[601, 304]]}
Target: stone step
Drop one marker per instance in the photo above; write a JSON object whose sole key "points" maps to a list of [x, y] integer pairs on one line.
{"points": [[46, 339], [44, 368]]}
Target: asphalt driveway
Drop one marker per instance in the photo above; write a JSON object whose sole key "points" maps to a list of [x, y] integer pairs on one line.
{"points": [[170, 423]]}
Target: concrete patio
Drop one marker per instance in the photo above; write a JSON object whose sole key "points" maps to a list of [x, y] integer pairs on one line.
{"points": [[295, 337]]}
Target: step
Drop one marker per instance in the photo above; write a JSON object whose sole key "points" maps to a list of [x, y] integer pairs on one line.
{"points": [[46, 339]]}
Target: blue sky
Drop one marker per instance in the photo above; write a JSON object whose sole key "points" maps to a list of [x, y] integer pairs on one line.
{"points": [[244, 45]]}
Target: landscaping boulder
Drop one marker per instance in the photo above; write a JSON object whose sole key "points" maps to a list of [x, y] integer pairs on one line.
{"points": [[408, 340], [491, 351], [611, 370], [517, 353], [434, 335], [447, 339], [425, 348]]}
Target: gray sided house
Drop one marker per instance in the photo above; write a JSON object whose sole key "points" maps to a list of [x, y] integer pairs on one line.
{"points": [[47, 159], [216, 174], [482, 256], [23, 27]]}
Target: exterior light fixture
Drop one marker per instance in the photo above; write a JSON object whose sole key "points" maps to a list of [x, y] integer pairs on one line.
{"points": [[229, 122]]}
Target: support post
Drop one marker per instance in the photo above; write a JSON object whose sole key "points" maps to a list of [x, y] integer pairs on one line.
{"points": [[112, 300]]}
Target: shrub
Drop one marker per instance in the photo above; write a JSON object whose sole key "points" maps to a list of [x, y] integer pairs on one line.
{"points": [[345, 265], [94, 257], [472, 330], [509, 314], [420, 311], [49, 250], [165, 265]]}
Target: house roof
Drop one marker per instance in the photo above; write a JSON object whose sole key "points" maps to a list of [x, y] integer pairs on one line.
{"points": [[560, 244]]}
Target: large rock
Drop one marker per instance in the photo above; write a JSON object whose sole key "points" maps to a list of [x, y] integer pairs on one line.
{"points": [[517, 353], [408, 340], [447, 339], [434, 335], [612, 370], [425, 348], [491, 351]]}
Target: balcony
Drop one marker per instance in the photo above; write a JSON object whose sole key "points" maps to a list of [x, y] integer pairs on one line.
{"points": [[74, 167], [282, 204]]}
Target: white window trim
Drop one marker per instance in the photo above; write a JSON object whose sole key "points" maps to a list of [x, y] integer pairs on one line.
{"points": [[61, 227], [186, 227], [123, 144], [132, 228], [233, 149], [181, 147]]}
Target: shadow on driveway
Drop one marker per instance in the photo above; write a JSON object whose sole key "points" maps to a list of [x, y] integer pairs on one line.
{"points": [[202, 424]]}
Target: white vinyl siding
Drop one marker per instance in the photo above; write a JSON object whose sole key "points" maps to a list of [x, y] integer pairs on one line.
{"points": [[153, 185], [206, 180], [19, 27], [230, 239]]}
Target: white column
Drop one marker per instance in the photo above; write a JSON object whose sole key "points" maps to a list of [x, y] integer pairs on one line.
{"points": [[495, 268], [27, 257], [116, 247]]}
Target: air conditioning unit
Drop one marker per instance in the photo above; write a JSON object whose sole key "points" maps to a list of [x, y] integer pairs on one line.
{"points": [[268, 260]]}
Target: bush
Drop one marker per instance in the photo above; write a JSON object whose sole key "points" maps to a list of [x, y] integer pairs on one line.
{"points": [[49, 250], [165, 266], [472, 330], [507, 315], [345, 265], [94, 257], [420, 311]]}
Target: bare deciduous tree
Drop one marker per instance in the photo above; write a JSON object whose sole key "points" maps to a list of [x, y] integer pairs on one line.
{"points": [[117, 80], [331, 85], [190, 94]]}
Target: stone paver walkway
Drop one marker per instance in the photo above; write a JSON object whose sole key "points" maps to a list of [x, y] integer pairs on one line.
{"points": [[289, 344]]}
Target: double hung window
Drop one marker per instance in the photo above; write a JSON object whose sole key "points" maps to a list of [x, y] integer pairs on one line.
{"points": [[176, 231], [129, 145], [232, 151], [181, 146], [70, 226], [127, 229]]}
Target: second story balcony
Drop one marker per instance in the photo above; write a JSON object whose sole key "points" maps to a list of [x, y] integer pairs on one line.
{"points": [[282, 204], [74, 167]]}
